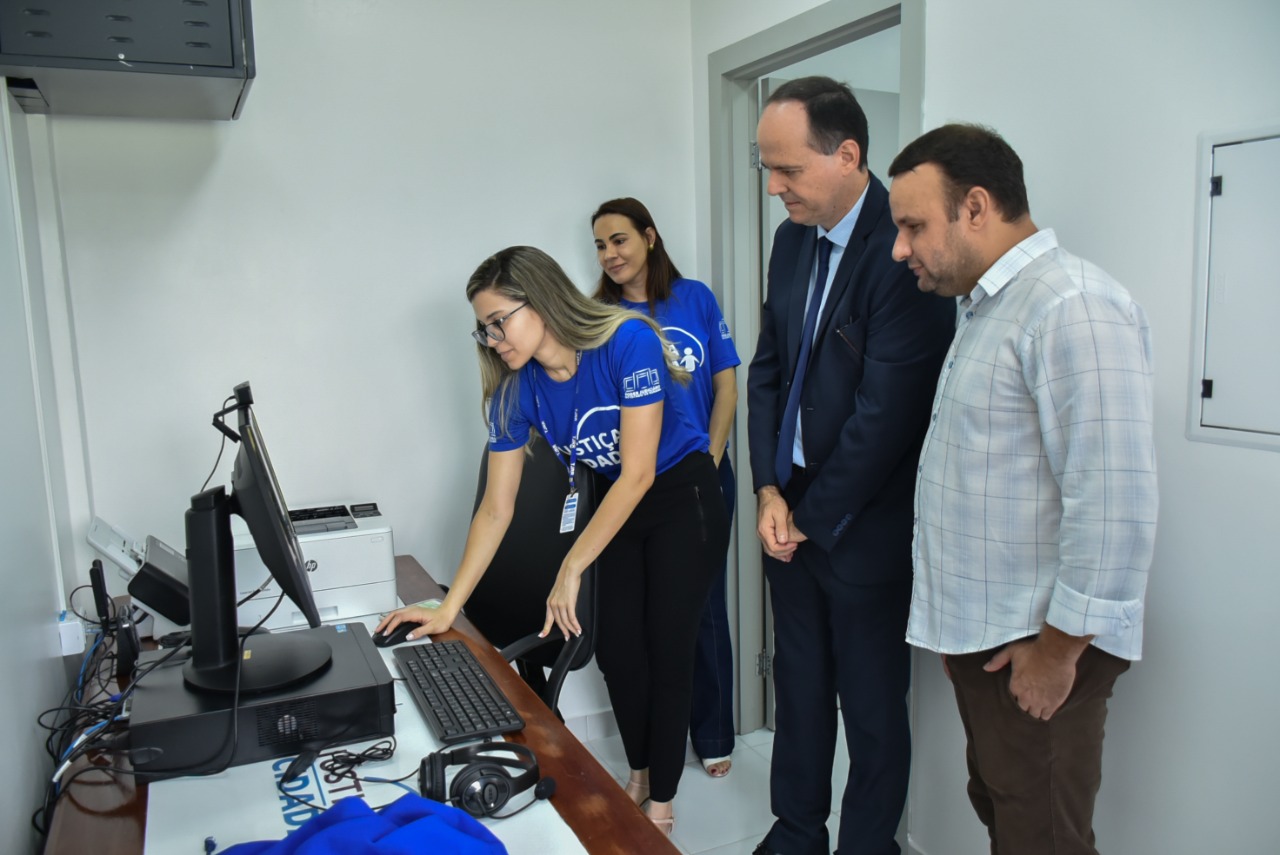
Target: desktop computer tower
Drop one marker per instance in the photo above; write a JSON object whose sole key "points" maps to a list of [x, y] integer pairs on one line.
{"points": [[174, 730]]}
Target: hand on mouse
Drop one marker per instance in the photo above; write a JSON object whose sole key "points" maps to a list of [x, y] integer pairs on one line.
{"points": [[434, 621]]}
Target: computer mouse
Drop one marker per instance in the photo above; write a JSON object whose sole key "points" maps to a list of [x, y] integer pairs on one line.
{"points": [[395, 636]]}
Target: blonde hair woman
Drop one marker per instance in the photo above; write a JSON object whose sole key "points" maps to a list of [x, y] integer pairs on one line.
{"points": [[593, 380]]}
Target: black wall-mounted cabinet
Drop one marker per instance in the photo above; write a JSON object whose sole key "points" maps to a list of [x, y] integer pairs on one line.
{"points": [[179, 59]]}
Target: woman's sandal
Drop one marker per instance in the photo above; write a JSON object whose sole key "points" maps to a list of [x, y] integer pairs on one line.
{"points": [[717, 767], [637, 791], [665, 824]]}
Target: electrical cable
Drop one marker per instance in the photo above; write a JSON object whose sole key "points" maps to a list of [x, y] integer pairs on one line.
{"points": [[256, 591], [341, 765], [66, 748], [87, 718], [233, 733], [221, 448], [71, 607]]}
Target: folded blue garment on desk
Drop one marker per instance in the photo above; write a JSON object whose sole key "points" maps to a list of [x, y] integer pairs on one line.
{"points": [[411, 825]]}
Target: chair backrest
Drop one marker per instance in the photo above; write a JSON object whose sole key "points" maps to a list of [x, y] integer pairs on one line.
{"points": [[510, 602]]}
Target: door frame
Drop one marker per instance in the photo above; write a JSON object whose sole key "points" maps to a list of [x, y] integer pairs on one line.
{"points": [[736, 241]]}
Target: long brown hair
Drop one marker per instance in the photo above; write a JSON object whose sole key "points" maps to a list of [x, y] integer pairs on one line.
{"points": [[662, 270]]}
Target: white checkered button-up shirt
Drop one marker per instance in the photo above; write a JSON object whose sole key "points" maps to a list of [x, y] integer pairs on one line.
{"points": [[1036, 494]]}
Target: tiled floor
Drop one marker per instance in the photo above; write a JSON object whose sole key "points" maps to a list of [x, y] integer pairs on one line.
{"points": [[723, 816]]}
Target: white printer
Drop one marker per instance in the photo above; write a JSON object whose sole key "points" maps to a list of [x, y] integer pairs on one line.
{"points": [[350, 561]]}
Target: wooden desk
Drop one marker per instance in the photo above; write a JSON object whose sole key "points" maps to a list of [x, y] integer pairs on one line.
{"points": [[109, 816]]}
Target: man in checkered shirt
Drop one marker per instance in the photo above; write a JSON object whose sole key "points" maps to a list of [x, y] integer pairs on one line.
{"points": [[1036, 490]]}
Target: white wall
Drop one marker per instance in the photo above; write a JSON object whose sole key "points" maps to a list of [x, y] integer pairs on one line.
{"points": [[320, 245], [30, 668], [1104, 101]]}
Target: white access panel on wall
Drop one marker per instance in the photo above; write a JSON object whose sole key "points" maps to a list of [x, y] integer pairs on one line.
{"points": [[1235, 384]]}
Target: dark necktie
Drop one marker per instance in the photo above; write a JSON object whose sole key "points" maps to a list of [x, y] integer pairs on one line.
{"points": [[787, 434]]}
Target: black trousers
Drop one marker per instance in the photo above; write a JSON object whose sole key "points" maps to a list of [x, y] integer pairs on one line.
{"points": [[711, 730], [653, 583], [837, 643]]}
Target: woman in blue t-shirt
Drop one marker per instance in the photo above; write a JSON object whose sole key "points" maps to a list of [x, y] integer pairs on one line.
{"points": [[593, 380], [638, 274]]}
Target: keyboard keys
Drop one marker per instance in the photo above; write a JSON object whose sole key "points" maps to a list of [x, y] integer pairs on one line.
{"points": [[454, 693]]}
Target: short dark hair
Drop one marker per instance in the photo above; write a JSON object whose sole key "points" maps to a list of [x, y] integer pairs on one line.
{"points": [[662, 270], [970, 156], [834, 114]]}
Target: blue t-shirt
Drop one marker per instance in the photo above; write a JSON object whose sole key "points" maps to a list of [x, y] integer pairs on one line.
{"points": [[628, 371], [693, 323]]}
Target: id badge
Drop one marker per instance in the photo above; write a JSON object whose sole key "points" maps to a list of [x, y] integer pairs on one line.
{"points": [[569, 516]]}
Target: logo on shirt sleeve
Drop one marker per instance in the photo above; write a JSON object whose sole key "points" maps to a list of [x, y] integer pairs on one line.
{"points": [[641, 384], [724, 329]]}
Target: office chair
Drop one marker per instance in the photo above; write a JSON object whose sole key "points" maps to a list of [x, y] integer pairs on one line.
{"points": [[510, 604]]}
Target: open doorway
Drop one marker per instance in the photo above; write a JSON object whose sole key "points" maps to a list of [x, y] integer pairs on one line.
{"points": [[877, 48]]}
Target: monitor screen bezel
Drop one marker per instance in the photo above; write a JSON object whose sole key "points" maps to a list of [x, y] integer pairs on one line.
{"points": [[259, 501]]}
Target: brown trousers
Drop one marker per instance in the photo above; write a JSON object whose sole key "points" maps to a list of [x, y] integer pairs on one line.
{"points": [[1033, 783]]}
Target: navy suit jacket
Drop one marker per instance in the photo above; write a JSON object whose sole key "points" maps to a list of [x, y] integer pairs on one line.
{"points": [[866, 397]]}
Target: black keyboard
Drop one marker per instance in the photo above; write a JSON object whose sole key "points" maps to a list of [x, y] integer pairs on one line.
{"points": [[457, 698]]}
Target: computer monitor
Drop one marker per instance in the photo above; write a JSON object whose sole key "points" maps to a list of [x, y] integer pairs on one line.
{"points": [[256, 493], [270, 661]]}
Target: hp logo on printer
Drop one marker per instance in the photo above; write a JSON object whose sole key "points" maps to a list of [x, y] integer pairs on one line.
{"points": [[311, 565]]}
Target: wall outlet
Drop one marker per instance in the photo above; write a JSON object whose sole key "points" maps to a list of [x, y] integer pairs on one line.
{"points": [[71, 632]]}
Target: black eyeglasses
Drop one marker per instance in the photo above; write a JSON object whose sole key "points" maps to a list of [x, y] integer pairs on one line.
{"points": [[493, 329]]}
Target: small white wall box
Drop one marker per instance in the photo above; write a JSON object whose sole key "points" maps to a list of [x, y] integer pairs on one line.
{"points": [[1235, 351], [350, 560]]}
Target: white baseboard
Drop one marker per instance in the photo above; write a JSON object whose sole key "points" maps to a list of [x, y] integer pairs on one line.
{"points": [[599, 725], [913, 848]]}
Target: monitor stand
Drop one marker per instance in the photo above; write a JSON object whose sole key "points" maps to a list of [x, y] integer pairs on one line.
{"points": [[270, 661]]}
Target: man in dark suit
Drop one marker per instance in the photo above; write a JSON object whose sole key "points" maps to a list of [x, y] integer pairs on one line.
{"points": [[835, 426]]}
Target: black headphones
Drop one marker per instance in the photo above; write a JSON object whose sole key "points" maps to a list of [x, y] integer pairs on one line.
{"points": [[485, 786]]}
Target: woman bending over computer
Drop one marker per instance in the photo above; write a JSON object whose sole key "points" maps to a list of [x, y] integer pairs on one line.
{"points": [[593, 379]]}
